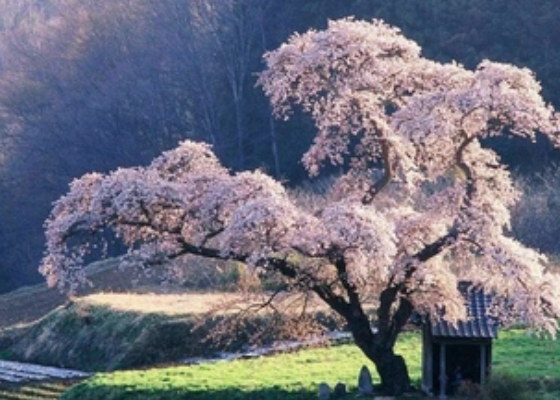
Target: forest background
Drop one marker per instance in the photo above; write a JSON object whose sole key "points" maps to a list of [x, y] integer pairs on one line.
{"points": [[92, 85]]}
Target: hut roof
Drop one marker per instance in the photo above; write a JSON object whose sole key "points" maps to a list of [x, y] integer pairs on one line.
{"points": [[479, 323]]}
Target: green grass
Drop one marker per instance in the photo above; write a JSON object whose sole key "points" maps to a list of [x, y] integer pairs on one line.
{"points": [[516, 353], [283, 377], [293, 376], [297, 375]]}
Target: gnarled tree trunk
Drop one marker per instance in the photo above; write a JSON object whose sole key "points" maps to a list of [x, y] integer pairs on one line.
{"points": [[378, 346], [393, 372], [378, 343]]}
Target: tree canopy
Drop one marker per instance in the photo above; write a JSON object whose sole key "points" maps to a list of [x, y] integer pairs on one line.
{"points": [[93, 85], [421, 204]]}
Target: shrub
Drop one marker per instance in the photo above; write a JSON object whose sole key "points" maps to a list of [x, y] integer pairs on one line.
{"points": [[506, 387], [469, 390]]}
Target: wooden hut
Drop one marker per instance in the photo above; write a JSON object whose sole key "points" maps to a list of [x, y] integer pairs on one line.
{"points": [[453, 354]]}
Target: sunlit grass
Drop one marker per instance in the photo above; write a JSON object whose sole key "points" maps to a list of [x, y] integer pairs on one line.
{"points": [[285, 376], [297, 375], [518, 353], [161, 303], [536, 360], [172, 303]]}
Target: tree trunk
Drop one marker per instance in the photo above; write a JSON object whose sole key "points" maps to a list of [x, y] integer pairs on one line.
{"points": [[378, 347], [378, 344], [392, 369]]}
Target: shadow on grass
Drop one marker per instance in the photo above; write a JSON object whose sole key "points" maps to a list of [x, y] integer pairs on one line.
{"points": [[549, 385], [80, 392]]}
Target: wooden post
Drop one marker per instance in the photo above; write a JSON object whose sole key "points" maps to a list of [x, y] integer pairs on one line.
{"points": [[482, 363], [442, 373], [427, 363]]}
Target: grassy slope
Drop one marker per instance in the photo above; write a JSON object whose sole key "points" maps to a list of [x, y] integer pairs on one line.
{"points": [[92, 334], [31, 303], [296, 376], [286, 376], [114, 330], [29, 308]]}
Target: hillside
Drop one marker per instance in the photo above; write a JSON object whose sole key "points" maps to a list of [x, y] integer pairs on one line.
{"points": [[30, 303], [115, 325], [104, 326]]}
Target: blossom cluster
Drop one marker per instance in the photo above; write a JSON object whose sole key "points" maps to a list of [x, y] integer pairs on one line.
{"points": [[423, 204]]}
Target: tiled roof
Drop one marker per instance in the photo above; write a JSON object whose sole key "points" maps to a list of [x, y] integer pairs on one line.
{"points": [[478, 325]]}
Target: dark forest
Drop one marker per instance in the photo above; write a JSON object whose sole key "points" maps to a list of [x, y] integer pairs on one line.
{"points": [[91, 85]]}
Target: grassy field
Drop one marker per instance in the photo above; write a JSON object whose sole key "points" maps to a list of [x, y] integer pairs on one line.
{"points": [[296, 376], [286, 376], [537, 361], [292, 376], [104, 332], [125, 324], [30, 303]]}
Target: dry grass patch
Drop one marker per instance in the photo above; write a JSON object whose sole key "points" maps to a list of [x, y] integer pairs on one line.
{"points": [[178, 303], [162, 303]]}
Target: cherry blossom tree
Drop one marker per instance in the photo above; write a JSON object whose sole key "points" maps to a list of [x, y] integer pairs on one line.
{"points": [[422, 204]]}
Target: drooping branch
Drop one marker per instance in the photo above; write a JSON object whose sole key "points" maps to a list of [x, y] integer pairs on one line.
{"points": [[282, 266], [392, 320], [323, 290]]}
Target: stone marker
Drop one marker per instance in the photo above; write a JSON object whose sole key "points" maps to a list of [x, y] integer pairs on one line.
{"points": [[324, 391], [339, 391], [365, 382]]}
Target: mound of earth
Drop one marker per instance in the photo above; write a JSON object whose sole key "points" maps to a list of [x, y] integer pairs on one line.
{"points": [[115, 325], [88, 334]]}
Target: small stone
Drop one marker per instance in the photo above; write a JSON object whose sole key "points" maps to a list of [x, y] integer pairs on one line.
{"points": [[365, 382], [324, 391], [339, 391]]}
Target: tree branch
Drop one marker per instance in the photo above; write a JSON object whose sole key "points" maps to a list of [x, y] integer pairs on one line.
{"points": [[351, 290], [388, 172], [324, 291]]}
